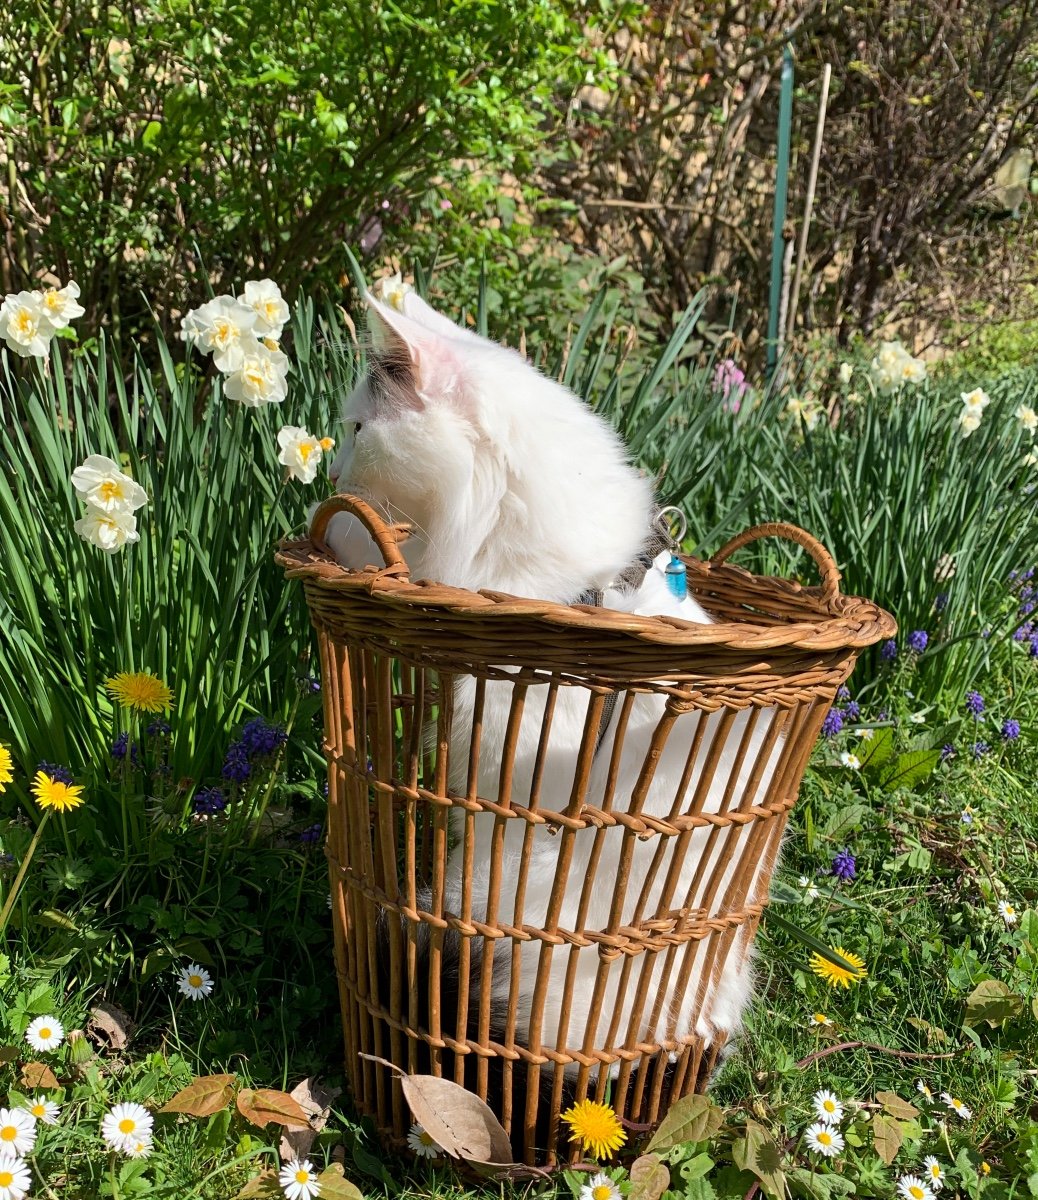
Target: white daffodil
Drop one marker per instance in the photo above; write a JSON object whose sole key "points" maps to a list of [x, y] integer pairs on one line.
{"points": [[421, 1143], [61, 305], [24, 325], [272, 312], [107, 531], [807, 411], [299, 1180], [17, 1133], [893, 365], [218, 326], [969, 421], [255, 375], [599, 1187], [125, 1125], [1030, 460], [100, 482], [913, 370], [43, 1110], [301, 453], [1007, 912], [957, 1106], [828, 1109], [824, 1139], [914, 1188], [392, 291], [45, 1033], [850, 760], [195, 982], [1027, 417], [846, 372], [975, 401], [934, 1174], [15, 1180]]}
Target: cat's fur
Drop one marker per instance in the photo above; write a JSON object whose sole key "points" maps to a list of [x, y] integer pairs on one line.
{"points": [[511, 483]]}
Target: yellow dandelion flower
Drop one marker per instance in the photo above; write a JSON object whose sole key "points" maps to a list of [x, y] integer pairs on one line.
{"points": [[6, 767], [52, 793], [834, 973], [139, 690], [596, 1127]]}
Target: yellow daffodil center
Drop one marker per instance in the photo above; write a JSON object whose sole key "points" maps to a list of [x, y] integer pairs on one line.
{"points": [[24, 323], [195, 980], [602, 1192], [825, 1138], [306, 449], [326, 443], [253, 376], [270, 309], [270, 343], [223, 330], [127, 1125], [916, 1193], [8, 1133], [6, 1179], [111, 490], [52, 299], [302, 1176]]}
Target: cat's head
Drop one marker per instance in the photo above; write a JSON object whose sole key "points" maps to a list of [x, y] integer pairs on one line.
{"points": [[509, 480]]}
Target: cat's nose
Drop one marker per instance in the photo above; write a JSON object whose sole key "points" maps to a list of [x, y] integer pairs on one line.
{"points": [[333, 475]]}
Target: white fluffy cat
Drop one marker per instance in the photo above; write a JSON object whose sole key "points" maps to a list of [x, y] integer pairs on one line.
{"points": [[512, 484]]}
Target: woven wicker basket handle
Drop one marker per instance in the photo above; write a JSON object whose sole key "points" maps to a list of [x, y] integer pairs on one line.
{"points": [[824, 560], [385, 536]]}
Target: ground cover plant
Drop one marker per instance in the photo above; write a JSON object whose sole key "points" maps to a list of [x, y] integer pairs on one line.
{"points": [[163, 895]]}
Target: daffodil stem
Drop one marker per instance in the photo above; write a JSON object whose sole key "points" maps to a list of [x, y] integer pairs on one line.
{"points": [[12, 895]]}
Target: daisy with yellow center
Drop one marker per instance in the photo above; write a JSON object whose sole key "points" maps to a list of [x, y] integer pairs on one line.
{"points": [[421, 1142], [596, 1127], [139, 690], [6, 767], [828, 1109], [299, 1181], [911, 1187], [52, 793], [45, 1033], [43, 1110], [125, 1125], [17, 1132], [850, 969], [195, 982], [957, 1106], [600, 1187], [15, 1180], [923, 1088], [819, 1019], [824, 1139], [934, 1174]]}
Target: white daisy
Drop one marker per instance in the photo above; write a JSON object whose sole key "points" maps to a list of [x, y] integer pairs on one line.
{"points": [[850, 760], [298, 1180], [923, 1089], [828, 1108], [913, 1188], [1007, 912], [600, 1187], [934, 1174], [45, 1033], [957, 1106], [824, 1139], [421, 1143], [139, 1148], [195, 982], [42, 1109], [17, 1132], [125, 1125], [819, 1019], [15, 1180], [866, 734]]}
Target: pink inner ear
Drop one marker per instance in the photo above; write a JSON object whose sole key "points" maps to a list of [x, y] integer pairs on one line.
{"points": [[434, 358]]}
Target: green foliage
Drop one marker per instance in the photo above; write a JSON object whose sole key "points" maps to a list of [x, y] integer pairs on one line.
{"points": [[141, 135]]}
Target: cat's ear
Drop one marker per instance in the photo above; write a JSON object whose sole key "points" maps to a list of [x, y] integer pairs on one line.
{"points": [[416, 308], [434, 360]]}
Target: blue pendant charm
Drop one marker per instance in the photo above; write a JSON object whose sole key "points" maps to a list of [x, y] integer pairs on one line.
{"points": [[676, 581]]}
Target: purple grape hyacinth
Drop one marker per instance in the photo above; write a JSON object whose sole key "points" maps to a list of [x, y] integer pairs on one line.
{"points": [[917, 641], [259, 740], [236, 768], [833, 723], [844, 867], [57, 772], [852, 710], [947, 751], [979, 749], [974, 703], [888, 651], [208, 802], [1010, 729]]}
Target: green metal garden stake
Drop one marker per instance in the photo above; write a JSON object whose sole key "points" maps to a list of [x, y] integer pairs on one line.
{"points": [[785, 123]]}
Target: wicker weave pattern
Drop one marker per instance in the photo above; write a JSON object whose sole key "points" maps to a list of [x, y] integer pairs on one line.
{"points": [[663, 895]]}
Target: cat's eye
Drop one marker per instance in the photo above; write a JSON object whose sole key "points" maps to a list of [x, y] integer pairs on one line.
{"points": [[357, 428]]}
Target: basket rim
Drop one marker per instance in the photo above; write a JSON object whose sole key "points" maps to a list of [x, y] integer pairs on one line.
{"points": [[840, 621]]}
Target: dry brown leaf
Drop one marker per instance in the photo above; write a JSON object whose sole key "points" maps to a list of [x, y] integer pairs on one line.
{"points": [[335, 1185], [897, 1107], [203, 1096], [649, 1178], [109, 1025], [9, 1054], [264, 1186], [38, 1075], [459, 1122], [886, 1137], [315, 1101], [264, 1106]]}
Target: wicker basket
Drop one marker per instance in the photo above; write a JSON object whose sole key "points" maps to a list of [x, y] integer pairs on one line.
{"points": [[415, 971]]}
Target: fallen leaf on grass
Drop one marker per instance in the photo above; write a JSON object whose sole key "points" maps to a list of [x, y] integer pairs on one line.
{"points": [[203, 1096], [893, 1104], [315, 1101], [264, 1106], [886, 1137], [262, 1187], [38, 1075], [335, 1185], [649, 1178], [109, 1026]]}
